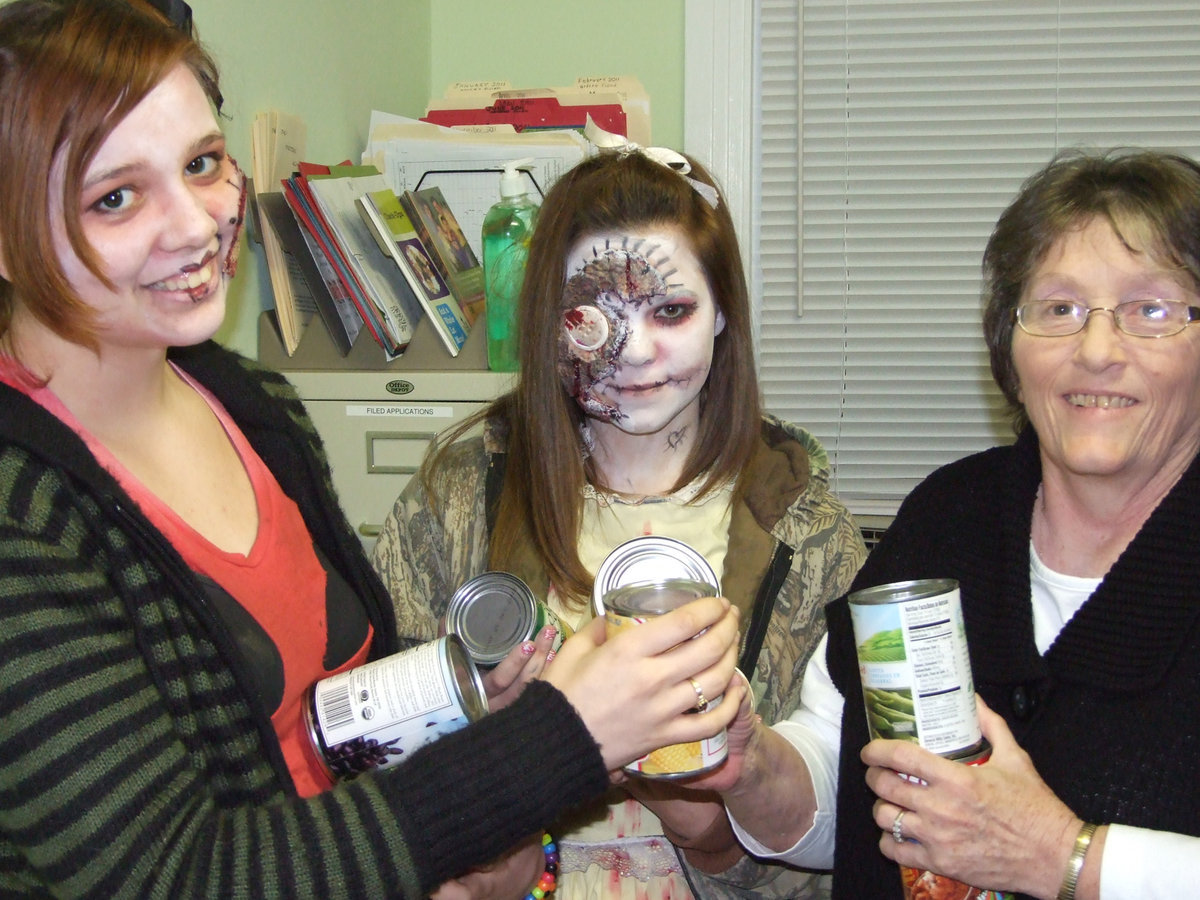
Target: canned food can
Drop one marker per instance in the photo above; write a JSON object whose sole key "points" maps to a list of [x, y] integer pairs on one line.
{"points": [[650, 558], [371, 716], [915, 668], [633, 604], [493, 612], [922, 884]]}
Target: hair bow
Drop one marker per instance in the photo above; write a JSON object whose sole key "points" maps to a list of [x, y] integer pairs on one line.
{"points": [[664, 156]]}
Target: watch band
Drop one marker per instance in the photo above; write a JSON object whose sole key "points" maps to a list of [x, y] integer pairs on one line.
{"points": [[1075, 863]]}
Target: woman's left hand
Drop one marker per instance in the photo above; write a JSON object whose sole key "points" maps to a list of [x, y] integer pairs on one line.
{"points": [[995, 825], [525, 662]]}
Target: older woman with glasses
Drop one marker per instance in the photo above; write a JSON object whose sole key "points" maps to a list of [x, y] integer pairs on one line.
{"points": [[1077, 551]]}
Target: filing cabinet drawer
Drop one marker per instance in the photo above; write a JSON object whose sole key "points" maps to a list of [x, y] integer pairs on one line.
{"points": [[374, 448]]}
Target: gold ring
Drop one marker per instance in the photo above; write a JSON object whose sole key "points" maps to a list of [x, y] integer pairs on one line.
{"points": [[701, 702], [898, 828]]}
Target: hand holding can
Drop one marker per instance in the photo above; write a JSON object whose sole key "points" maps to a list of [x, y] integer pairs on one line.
{"points": [[917, 686], [504, 628], [372, 716], [494, 612], [634, 691], [633, 604]]}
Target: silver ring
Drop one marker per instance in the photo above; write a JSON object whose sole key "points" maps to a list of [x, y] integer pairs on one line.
{"points": [[898, 827], [701, 702]]}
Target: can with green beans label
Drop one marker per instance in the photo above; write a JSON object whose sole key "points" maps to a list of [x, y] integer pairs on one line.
{"points": [[917, 686], [916, 672]]}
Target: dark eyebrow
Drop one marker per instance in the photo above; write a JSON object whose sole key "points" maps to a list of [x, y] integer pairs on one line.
{"points": [[197, 147]]}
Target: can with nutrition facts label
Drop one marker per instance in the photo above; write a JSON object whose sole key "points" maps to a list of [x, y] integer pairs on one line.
{"points": [[917, 686], [372, 716], [915, 668]]}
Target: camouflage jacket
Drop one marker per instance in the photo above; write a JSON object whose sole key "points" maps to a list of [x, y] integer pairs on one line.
{"points": [[796, 549]]}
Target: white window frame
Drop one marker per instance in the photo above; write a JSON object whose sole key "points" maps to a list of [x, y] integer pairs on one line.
{"points": [[720, 118]]}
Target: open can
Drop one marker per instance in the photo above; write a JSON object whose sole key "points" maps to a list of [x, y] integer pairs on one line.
{"points": [[650, 558], [493, 612], [632, 604], [371, 716]]}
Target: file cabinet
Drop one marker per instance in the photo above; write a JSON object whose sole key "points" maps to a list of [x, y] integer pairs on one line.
{"points": [[377, 419]]}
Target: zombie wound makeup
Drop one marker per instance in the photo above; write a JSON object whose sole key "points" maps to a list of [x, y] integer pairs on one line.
{"points": [[597, 302], [237, 180]]}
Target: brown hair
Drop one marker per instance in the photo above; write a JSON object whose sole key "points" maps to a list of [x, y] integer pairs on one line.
{"points": [[70, 71], [541, 502], [1151, 199]]}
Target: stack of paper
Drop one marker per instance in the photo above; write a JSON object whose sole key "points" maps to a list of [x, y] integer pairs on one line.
{"points": [[494, 125], [466, 164], [277, 146], [324, 201], [618, 104]]}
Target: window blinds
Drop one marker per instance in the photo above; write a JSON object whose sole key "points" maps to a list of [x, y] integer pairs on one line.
{"points": [[893, 134]]}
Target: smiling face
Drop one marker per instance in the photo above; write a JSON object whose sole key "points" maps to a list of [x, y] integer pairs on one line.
{"points": [[1106, 404], [162, 206], [639, 321]]}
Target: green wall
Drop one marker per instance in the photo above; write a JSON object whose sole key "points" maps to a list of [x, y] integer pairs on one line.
{"points": [[330, 64], [549, 43]]}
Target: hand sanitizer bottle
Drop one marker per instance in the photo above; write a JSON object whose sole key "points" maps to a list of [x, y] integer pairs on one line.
{"points": [[507, 228]]}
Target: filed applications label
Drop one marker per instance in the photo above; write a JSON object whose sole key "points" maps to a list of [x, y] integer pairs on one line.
{"points": [[399, 411]]}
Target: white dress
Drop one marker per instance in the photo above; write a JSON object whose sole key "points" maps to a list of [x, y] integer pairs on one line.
{"points": [[616, 850]]}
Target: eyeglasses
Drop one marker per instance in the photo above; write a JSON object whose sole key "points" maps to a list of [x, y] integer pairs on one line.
{"points": [[1140, 318]]}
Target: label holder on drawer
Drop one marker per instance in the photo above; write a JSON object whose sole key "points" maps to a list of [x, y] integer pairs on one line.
{"points": [[374, 468]]}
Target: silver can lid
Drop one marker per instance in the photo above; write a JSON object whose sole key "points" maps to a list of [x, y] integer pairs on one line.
{"points": [[472, 696], [650, 558], [491, 613], [901, 591], [653, 598]]}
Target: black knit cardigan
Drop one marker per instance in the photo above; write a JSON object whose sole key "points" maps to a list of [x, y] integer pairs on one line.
{"points": [[1110, 715]]}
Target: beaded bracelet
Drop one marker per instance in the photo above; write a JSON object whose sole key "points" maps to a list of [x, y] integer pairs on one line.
{"points": [[549, 880]]}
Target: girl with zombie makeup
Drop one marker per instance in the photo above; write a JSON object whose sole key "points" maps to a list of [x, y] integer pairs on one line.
{"points": [[176, 569], [636, 412]]}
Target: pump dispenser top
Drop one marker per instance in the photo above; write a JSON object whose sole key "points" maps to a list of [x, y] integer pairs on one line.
{"points": [[512, 182]]}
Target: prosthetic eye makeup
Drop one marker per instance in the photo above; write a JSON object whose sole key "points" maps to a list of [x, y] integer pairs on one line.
{"points": [[586, 329], [598, 300]]}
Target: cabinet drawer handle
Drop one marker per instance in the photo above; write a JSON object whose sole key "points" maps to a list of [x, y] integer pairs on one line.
{"points": [[420, 438]]}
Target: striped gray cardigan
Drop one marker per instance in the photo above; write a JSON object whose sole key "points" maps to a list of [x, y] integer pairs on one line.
{"points": [[133, 759]]}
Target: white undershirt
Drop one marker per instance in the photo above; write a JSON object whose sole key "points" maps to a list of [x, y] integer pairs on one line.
{"points": [[1138, 863]]}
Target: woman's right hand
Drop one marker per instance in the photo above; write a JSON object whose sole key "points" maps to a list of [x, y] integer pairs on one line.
{"points": [[633, 689], [997, 824], [741, 738], [508, 878]]}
